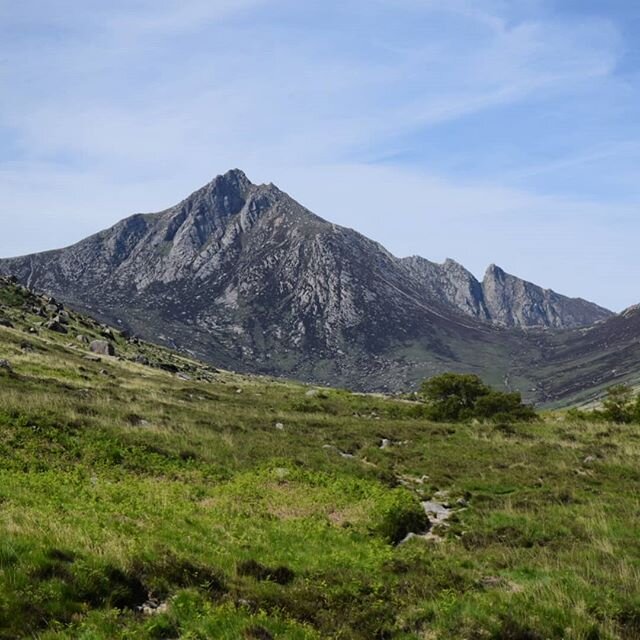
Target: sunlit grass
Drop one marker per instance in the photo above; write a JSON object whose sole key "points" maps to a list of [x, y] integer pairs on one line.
{"points": [[121, 482]]}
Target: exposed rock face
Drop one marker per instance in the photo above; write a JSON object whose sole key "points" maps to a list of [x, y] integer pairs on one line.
{"points": [[502, 298], [513, 302], [243, 276], [451, 283]]}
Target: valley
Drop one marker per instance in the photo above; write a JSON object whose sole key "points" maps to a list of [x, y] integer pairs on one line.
{"points": [[148, 495]]}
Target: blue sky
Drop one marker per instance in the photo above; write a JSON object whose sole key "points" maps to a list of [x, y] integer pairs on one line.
{"points": [[486, 131]]}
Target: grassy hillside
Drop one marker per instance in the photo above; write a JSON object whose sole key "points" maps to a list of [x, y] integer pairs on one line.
{"points": [[164, 499]]}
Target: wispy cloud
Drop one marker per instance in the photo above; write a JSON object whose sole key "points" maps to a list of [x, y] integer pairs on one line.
{"points": [[494, 107]]}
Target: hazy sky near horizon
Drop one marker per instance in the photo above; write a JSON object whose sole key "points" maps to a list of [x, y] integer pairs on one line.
{"points": [[504, 131]]}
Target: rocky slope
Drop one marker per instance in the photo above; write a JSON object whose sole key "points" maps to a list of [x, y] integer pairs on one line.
{"points": [[579, 365], [243, 276], [502, 298]]}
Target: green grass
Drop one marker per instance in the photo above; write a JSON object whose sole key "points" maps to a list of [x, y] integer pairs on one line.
{"points": [[121, 482]]}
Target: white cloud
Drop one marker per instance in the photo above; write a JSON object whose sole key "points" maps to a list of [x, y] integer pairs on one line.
{"points": [[135, 107]]}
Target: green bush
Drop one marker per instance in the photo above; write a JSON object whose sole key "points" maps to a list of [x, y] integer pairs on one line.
{"points": [[453, 397], [620, 405], [401, 514]]}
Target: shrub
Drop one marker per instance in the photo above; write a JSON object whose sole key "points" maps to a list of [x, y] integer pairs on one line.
{"points": [[400, 515], [452, 397], [500, 405], [618, 406]]}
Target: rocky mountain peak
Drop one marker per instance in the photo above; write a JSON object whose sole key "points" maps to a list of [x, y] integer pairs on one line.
{"points": [[494, 272], [513, 302], [224, 195], [244, 276]]}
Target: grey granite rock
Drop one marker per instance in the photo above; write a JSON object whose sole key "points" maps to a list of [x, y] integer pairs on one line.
{"points": [[243, 276]]}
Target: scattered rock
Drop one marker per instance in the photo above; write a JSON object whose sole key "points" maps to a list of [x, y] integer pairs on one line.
{"points": [[385, 443], [153, 607], [82, 339], [62, 317], [279, 426], [183, 376], [93, 358], [6, 323], [107, 333], [312, 393], [140, 359], [589, 459], [491, 582], [102, 347], [5, 364], [497, 582], [54, 325]]}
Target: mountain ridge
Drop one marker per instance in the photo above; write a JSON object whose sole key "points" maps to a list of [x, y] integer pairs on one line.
{"points": [[245, 277]]}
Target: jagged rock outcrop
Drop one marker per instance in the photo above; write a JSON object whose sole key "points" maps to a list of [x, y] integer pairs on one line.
{"points": [[243, 276], [451, 283], [501, 298], [513, 302]]}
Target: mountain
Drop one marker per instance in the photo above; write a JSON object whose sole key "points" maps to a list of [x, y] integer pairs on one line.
{"points": [[502, 298], [243, 276], [576, 366], [513, 302]]}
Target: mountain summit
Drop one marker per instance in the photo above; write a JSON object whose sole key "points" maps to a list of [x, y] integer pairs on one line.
{"points": [[243, 276]]}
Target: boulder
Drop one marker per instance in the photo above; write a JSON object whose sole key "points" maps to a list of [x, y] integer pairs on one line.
{"points": [[107, 333], [54, 325], [102, 347]]}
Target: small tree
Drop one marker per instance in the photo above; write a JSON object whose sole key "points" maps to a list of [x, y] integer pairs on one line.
{"points": [[618, 406], [454, 397]]}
